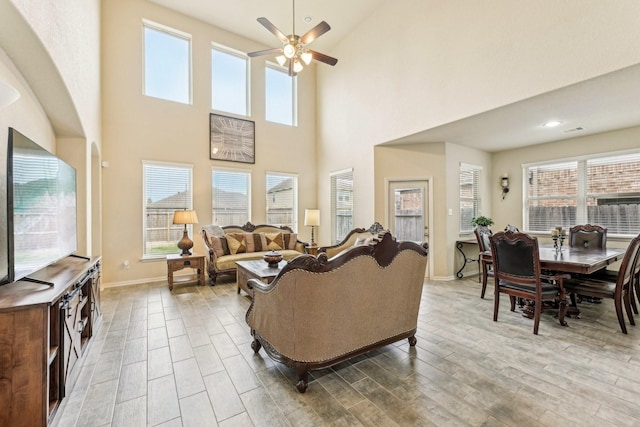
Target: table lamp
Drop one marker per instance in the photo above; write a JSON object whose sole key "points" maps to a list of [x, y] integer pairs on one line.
{"points": [[185, 217], [312, 219]]}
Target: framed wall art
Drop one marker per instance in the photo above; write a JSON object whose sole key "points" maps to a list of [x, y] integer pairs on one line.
{"points": [[231, 139]]}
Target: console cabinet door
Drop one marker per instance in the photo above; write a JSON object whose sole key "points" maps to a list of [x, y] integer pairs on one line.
{"points": [[23, 348], [72, 339]]}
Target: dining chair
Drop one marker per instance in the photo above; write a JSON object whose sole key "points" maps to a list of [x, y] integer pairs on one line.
{"points": [[517, 273], [588, 236], [600, 286], [483, 235]]}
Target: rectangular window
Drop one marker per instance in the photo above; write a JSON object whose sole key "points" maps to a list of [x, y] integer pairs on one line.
{"points": [[280, 96], [167, 188], [469, 196], [231, 196], [341, 204], [167, 63], [282, 199], [595, 190], [229, 87]]}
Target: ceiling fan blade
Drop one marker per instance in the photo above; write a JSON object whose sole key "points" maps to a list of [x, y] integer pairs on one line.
{"points": [[315, 32], [273, 29], [265, 52], [323, 58]]}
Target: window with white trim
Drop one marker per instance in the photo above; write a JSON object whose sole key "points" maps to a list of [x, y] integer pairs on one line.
{"points": [[231, 196], [280, 96], [229, 80], [167, 187], [341, 204], [469, 196], [167, 63], [282, 199], [602, 190]]}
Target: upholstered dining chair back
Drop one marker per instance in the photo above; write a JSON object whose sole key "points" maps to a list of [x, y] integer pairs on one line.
{"points": [[517, 273], [588, 236], [483, 236]]}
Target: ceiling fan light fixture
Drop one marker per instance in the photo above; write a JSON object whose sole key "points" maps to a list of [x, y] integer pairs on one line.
{"points": [[306, 57], [297, 66], [281, 60], [289, 51]]}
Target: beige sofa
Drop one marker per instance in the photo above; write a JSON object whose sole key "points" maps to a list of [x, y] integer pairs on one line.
{"points": [[357, 236], [231, 243], [318, 311]]}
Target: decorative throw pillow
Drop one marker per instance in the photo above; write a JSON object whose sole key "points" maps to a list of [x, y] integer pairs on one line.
{"points": [[290, 240], [216, 244], [237, 243], [263, 242], [275, 241], [251, 247]]}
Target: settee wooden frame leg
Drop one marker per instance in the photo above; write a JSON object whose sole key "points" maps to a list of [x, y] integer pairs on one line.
{"points": [[255, 345], [412, 340], [303, 381]]}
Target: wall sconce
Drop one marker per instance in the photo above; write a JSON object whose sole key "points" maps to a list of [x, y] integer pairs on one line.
{"points": [[504, 183], [312, 219], [185, 217]]}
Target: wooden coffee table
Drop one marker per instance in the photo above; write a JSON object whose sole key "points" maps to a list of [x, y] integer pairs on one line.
{"points": [[257, 269]]}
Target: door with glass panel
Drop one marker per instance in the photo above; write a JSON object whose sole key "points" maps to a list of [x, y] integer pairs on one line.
{"points": [[408, 210]]}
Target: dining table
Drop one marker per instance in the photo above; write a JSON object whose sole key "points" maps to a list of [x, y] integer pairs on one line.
{"points": [[577, 259]]}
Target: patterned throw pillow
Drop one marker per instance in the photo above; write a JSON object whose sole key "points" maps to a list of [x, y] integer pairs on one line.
{"points": [[216, 244], [237, 243], [290, 240], [275, 241]]}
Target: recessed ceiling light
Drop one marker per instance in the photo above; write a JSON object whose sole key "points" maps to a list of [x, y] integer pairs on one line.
{"points": [[308, 19], [552, 123]]}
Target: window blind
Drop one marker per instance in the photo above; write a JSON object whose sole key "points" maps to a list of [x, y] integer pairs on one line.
{"points": [[341, 204], [167, 188], [230, 198], [282, 196], [613, 193], [552, 196], [469, 196]]}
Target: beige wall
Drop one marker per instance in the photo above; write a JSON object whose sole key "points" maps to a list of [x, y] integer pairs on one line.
{"points": [[50, 52], [416, 64], [138, 128]]}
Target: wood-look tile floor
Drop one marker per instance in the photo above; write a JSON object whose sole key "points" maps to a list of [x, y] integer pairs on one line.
{"points": [[184, 358]]}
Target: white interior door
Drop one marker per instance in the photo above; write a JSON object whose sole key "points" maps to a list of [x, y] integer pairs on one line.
{"points": [[408, 211]]}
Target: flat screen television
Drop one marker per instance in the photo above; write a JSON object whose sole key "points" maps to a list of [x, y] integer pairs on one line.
{"points": [[41, 207]]}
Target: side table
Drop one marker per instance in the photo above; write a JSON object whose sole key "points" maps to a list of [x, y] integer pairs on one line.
{"points": [[176, 262], [312, 250]]}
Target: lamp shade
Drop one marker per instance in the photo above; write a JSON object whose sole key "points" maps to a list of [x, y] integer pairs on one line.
{"points": [[312, 217], [185, 217]]}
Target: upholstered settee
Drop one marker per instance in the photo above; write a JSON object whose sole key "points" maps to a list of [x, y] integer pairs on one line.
{"points": [[357, 236], [319, 311], [228, 244]]}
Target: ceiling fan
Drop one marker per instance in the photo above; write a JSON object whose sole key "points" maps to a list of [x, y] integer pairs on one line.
{"points": [[294, 53]]}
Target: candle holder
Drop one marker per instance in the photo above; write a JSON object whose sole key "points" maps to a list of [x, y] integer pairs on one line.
{"points": [[555, 242], [562, 236]]}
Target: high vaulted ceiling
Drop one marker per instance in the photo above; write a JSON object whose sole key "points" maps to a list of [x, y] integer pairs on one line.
{"points": [[598, 105]]}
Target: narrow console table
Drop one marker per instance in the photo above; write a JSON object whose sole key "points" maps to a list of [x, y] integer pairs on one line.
{"points": [[460, 244], [44, 334]]}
